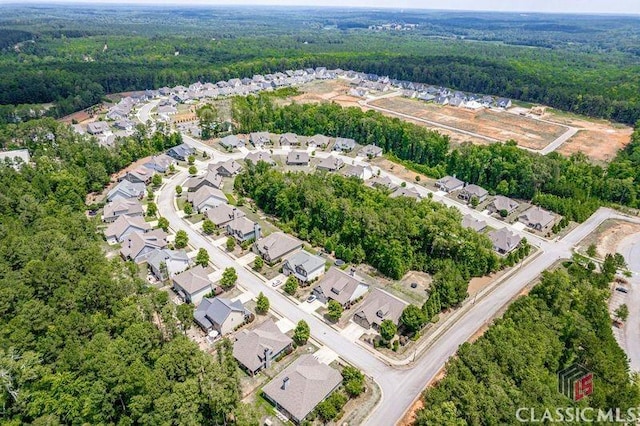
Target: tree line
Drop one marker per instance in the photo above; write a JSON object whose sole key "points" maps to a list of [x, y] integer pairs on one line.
{"points": [[563, 321], [573, 187], [83, 339]]}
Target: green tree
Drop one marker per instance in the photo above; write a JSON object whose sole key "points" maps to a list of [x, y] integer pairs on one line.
{"points": [[182, 239], [258, 263], [152, 209], [178, 190], [301, 333], [231, 243], [163, 223], [413, 318], [172, 168], [193, 170], [353, 381], [291, 285], [229, 278], [622, 313], [592, 250], [474, 201], [202, 257], [208, 121], [188, 209], [388, 330], [191, 160], [262, 304], [156, 180], [208, 227], [334, 310], [184, 313]]}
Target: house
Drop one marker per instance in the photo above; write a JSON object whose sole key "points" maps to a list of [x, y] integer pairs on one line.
{"points": [[289, 139], [123, 226], [537, 218], [442, 100], [17, 157], [371, 151], [330, 164], [299, 388], [298, 158], [232, 141], [504, 241], [243, 229], [167, 110], [276, 246], [305, 266], [405, 192], [449, 184], [98, 128], [181, 152], [259, 138], [138, 247], [473, 105], [165, 263], [468, 192], [211, 179], [501, 203], [205, 198], [456, 102], [318, 140], [139, 175], [193, 284], [361, 172], [226, 168], [121, 206], [126, 190], [255, 157], [344, 145], [470, 222], [220, 314], [382, 182], [341, 287], [503, 103], [222, 214], [160, 163], [256, 349], [124, 124], [377, 307]]}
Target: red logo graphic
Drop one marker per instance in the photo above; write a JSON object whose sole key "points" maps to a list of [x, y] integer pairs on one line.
{"points": [[583, 387], [576, 382]]}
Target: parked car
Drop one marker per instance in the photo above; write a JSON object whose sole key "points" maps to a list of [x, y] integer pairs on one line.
{"points": [[622, 290], [276, 283], [311, 298]]}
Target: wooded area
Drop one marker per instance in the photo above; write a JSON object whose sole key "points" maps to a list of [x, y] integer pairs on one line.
{"points": [[563, 321], [84, 340]]}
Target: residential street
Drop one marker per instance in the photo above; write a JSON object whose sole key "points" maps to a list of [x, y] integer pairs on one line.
{"points": [[400, 385]]}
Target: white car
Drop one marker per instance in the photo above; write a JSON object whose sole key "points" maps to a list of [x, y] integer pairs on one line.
{"points": [[276, 283]]}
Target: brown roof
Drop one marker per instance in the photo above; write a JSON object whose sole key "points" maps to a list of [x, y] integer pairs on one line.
{"points": [[380, 306], [124, 222], [194, 280], [136, 242], [303, 385], [250, 345], [340, 286], [277, 245], [223, 214], [122, 206]]}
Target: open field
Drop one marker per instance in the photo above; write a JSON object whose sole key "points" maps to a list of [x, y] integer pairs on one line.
{"points": [[599, 140], [608, 236], [528, 132]]}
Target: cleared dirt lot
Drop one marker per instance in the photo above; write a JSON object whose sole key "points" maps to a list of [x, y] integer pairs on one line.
{"points": [[499, 125], [608, 235], [598, 139]]}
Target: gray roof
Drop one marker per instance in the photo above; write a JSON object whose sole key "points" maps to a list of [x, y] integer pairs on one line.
{"points": [[450, 183], [340, 286], [97, 127], [380, 306], [123, 206], [318, 140], [135, 243], [305, 260], [258, 138], [241, 224], [277, 245], [537, 216], [468, 221], [162, 255], [382, 181], [182, 150], [230, 167], [231, 141], [194, 280], [475, 190], [250, 345], [371, 150], [223, 214], [504, 203], [303, 385], [216, 311], [122, 226], [289, 138], [22, 154], [211, 178], [159, 163], [254, 157], [203, 194], [405, 192], [504, 240], [298, 157], [127, 189], [344, 144], [330, 163]]}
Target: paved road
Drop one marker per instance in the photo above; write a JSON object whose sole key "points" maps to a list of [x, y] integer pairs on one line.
{"points": [[571, 131], [630, 249]]}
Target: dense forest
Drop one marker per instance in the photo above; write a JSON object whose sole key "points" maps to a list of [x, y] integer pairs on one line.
{"points": [[588, 65], [572, 186], [564, 320], [83, 340], [359, 224]]}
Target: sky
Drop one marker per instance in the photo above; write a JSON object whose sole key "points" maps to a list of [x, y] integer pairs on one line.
{"points": [[552, 6]]}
